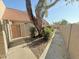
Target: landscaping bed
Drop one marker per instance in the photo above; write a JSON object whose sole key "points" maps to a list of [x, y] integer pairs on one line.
{"points": [[37, 44], [38, 47]]}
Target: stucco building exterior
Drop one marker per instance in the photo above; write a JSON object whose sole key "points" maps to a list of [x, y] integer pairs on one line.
{"points": [[15, 24]]}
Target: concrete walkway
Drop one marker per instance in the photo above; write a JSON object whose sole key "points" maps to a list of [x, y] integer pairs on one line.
{"points": [[19, 52], [57, 48]]}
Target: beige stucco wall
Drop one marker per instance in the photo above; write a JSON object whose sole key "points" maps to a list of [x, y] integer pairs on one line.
{"points": [[2, 8]]}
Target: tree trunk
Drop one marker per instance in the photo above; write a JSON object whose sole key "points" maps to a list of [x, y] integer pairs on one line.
{"points": [[37, 22], [40, 10]]}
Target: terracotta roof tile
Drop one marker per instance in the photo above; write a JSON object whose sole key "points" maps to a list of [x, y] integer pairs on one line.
{"points": [[15, 15]]}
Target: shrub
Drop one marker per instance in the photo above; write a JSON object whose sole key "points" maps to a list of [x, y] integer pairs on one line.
{"points": [[51, 29], [32, 30], [46, 33]]}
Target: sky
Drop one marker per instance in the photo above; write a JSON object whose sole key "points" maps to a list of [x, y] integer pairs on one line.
{"points": [[56, 13]]}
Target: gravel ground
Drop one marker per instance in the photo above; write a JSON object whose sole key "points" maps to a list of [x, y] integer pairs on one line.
{"points": [[57, 49]]}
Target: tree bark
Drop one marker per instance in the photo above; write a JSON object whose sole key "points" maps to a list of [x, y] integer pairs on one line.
{"points": [[40, 11], [37, 22]]}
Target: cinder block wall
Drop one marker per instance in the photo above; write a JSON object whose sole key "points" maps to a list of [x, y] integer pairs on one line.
{"points": [[74, 39], [74, 42], [65, 31]]}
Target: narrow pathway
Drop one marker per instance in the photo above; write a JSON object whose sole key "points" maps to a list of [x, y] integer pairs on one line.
{"points": [[57, 48], [18, 52]]}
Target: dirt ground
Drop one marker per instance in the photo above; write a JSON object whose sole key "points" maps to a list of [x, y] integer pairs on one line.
{"points": [[38, 47]]}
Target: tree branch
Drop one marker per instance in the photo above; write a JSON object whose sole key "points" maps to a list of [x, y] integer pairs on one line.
{"points": [[49, 6]]}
